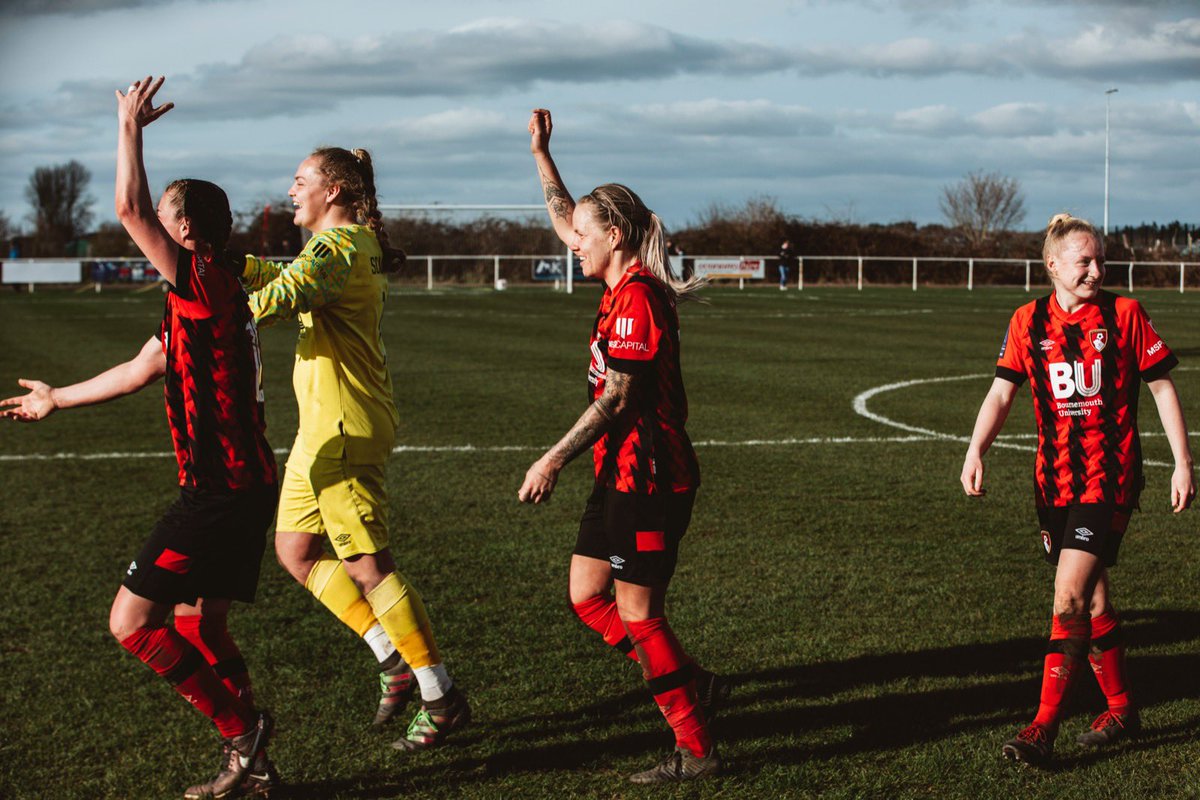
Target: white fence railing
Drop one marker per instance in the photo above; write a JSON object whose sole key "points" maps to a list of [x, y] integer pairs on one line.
{"points": [[561, 269]]}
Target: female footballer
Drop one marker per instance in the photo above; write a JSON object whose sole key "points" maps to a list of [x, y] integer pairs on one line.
{"points": [[334, 485], [206, 550], [646, 470], [1085, 353]]}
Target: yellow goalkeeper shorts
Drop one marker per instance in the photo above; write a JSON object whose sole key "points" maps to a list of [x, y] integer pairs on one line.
{"points": [[346, 502]]}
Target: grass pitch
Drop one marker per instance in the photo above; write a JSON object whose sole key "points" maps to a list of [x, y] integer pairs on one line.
{"points": [[885, 632]]}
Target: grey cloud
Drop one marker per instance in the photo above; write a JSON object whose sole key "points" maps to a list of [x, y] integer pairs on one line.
{"points": [[37, 7], [1165, 52], [288, 76]]}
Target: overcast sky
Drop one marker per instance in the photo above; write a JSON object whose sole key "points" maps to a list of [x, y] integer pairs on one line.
{"points": [[858, 110]]}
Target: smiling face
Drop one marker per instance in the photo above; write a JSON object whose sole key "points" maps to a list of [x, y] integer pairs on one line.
{"points": [[1077, 268], [310, 194], [592, 244]]}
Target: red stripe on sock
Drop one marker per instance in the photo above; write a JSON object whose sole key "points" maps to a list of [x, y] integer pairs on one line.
{"points": [[661, 654], [210, 635], [600, 614], [1059, 669], [1109, 665], [163, 650]]}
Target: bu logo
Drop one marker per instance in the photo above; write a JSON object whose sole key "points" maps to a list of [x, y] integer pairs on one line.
{"points": [[624, 327], [1068, 378], [1098, 338]]}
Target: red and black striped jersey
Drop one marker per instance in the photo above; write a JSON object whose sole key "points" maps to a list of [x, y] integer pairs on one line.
{"points": [[1085, 370], [647, 451], [213, 380]]}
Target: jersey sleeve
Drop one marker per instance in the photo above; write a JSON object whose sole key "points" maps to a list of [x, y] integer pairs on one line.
{"points": [[317, 277], [636, 330], [1154, 358], [258, 272], [1009, 365]]}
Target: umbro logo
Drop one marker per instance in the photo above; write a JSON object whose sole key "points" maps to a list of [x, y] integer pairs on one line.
{"points": [[617, 562], [1047, 345], [1083, 534], [132, 567], [1061, 673], [342, 538]]}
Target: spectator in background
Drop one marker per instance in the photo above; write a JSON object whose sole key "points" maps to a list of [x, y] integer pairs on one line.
{"points": [[787, 260]]}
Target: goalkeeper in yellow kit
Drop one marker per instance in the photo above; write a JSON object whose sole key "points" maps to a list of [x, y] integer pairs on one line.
{"points": [[334, 483]]}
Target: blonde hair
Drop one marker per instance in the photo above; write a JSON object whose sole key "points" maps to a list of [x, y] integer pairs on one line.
{"points": [[617, 206], [1063, 225]]}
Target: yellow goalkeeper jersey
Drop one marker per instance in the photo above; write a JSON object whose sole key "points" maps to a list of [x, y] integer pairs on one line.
{"points": [[336, 288]]}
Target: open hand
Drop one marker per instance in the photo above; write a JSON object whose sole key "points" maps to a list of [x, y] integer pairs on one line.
{"points": [[137, 104], [36, 405]]}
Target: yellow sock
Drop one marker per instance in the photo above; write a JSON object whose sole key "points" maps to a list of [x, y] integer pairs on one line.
{"points": [[330, 584], [400, 611]]}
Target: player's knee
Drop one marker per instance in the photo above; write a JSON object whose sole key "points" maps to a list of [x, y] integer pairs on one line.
{"points": [[121, 625], [1070, 601]]}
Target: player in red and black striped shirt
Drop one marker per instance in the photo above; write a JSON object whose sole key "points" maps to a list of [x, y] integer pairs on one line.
{"points": [[646, 469], [206, 550], [1085, 353]]}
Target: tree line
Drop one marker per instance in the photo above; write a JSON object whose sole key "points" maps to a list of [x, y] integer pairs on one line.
{"points": [[982, 213]]}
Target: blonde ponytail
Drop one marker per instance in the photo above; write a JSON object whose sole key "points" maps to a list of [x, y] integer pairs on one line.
{"points": [[617, 206]]}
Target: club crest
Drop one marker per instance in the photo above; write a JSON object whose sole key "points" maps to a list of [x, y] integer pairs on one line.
{"points": [[1098, 338]]}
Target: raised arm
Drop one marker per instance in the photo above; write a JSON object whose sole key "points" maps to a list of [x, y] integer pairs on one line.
{"points": [[988, 423], [1170, 411], [43, 400], [619, 388], [558, 201], [134, 206]]}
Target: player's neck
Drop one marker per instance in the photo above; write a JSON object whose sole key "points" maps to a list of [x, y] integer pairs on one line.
{"points": [[335, 217], [617, 267]]}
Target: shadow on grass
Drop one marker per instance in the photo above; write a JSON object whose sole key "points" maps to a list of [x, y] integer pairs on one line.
{"points": [[995, 685]]}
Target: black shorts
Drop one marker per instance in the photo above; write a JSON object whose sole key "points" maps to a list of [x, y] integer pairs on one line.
{"points": [[209, 544], [637, 534], [1095, 528]]}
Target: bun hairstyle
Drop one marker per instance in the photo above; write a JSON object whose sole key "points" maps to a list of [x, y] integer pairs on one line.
{"points": [[1063, 225], [617, 206], [206, 206], [352, 171]]}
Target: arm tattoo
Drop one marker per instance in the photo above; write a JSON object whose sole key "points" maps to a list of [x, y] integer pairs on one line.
{"points": [[598, 418], [557, 199]]}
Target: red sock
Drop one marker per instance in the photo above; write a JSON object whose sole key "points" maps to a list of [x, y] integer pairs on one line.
{"points": [[1069, 634], [169, 654], [600, 614], [671, 677], [211, 637], [1107, 657]]}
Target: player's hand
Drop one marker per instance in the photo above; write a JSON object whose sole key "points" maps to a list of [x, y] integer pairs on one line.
{"points": [[1183, 488], [539, 481], [36, 405], [540, 126], [972, 476], [137, 104]]}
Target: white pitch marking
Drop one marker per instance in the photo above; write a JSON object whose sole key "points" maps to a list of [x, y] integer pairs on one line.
{"points": [[471, 448], [860, 407]]}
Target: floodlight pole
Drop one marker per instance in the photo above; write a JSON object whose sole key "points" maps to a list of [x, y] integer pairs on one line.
{"points": [[1107, 96]]}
